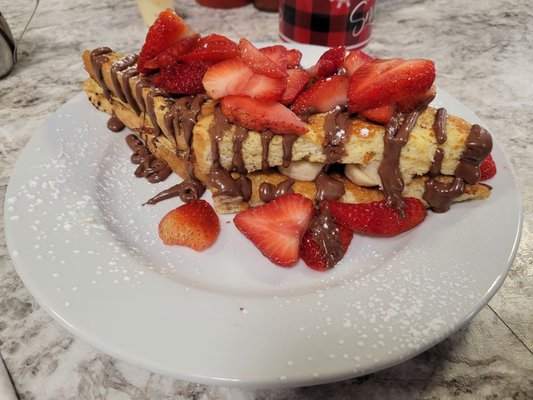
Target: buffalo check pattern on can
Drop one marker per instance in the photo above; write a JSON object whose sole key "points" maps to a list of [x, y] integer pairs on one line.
{"points": [[327, 22]]}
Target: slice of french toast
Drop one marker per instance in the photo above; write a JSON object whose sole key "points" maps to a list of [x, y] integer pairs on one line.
{"points": [[242, 166]]}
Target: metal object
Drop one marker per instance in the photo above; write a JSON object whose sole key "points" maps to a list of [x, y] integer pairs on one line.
{"points": [[8, 45]]}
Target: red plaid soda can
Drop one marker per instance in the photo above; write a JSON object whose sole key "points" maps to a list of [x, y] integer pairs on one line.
{"points": [[327, 22]]}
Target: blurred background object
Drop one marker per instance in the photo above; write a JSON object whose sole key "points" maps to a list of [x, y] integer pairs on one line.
{"points": [[223, 3], [327, 22], [8, 45], [150, 9], [267, 5]]}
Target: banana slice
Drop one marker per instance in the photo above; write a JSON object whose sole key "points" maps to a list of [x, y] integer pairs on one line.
{"points": [[302, 170], [363, 175]]}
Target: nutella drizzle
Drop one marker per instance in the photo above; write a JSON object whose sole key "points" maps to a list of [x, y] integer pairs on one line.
{"points": [[266, 137], [150, 107], [114, 124], [440, 195], [126, 77], [328, 188], [269, 192], [98, 58], [237, 163], [439, 126], [335, 135], [287, 143], [219, 177], [438, 157], [120, 66], [327, 235], [150, 167], [396, 136]]}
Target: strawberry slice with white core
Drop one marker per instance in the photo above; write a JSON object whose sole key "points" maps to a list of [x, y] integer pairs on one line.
{"points": [[276, 228], [323, 96], [262, 115], [234, 77], [384, 82], [258, 61]]}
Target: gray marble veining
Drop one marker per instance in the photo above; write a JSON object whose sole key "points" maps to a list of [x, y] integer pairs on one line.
{"points": [[484, 58]]}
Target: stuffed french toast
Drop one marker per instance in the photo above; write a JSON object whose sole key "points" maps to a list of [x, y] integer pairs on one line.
{"points": [[258, 130]]}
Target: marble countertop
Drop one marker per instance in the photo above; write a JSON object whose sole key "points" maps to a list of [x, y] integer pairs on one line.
{"points": [[483, 53]]}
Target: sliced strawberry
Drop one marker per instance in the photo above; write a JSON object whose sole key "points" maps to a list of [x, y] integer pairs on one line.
{"points": [[410, 103], [329, 62], [380, 115], [234, 77], [378, 219], [173, 53], [297, 81], [259, 62], [276, 228], [212, 48], [167, 30], [324, 243], [193, 224], [181, 78], [277, 54], [324, 95], [487, 169], [294, 57], [262, 115], [354, 60], [383, 82]]}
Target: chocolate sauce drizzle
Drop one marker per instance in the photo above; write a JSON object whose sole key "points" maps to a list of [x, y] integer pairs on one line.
{"points": [[114, 124], [328, 188], [269, 192], [326, 234], [440, 195], [224, 183], [98, 58], [335, 135], [149, 166], [396, 136]]}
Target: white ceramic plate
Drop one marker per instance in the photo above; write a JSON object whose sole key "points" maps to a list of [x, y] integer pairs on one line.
{"points": [[89, 253]]}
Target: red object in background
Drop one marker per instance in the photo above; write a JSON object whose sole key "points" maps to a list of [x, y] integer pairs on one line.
{"points": [[223, 3], [267, 5], [327, 22]]}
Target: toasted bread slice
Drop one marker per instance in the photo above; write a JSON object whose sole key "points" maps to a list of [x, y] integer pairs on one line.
{"points": [[149, 112]]}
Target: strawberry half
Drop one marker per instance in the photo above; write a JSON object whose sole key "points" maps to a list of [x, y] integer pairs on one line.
{"points": [[324, 95], [354, 60], [297, 81], [411, 103], [378, 219], [383, 82], [380, 115], [277, 54], [173, 53], [167, 30], [320, 254], [487, 169], [276, 228], [234, 77], [259, 62], [262, 115], [181, 78], [294, 57], [193, 224], [329, 62], [212, 48]]}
